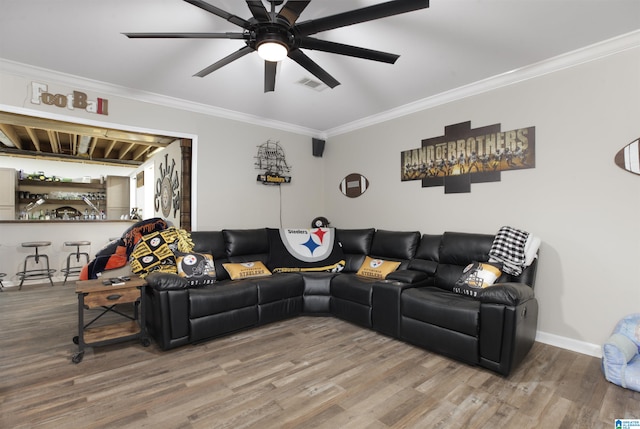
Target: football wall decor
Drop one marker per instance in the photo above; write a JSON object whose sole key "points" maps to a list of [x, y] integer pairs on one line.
{"points": [[628, 158], [354, 185], [463, 156]]}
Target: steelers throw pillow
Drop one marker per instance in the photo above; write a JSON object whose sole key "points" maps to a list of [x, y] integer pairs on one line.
{"points": [[197, 268]]}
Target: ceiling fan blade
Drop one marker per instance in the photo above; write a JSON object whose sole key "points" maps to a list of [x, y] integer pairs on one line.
{"points": [[221, 13], [351, 51], [258, 10], [299, 57], [357, 16], [270, 76], [292, 10], [226, 60], [186, 35]]}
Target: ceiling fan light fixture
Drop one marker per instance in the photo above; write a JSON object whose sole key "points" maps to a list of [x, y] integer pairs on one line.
{"points": [[272, 50]]}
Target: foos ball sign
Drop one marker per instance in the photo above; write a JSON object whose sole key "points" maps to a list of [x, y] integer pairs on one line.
{"points": [[75, 100]]}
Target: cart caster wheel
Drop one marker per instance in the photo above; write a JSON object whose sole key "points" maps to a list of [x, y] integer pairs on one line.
{"points": [[77, 357], [76, 340], [146, 343]]}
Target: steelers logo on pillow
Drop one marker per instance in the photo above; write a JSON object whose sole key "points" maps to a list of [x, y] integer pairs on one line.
{"points": [[190, 260], [377, 268], [244, 270], [197, 268], [376, 263]]}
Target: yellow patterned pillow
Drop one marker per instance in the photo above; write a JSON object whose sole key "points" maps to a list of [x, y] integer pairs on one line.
{"points": [[377, 268], [245, 270]]}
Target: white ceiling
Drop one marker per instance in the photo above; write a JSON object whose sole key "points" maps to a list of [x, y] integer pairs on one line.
{"points": [[451, 44]]}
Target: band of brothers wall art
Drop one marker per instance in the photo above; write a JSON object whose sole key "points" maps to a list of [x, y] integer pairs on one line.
{"points": [[463, 156]]}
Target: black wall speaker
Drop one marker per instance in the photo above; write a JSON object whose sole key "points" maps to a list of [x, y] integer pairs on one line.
{"points": [[318, 147]]}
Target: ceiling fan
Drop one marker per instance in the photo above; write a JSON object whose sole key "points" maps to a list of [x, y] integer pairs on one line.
{"points": [[277, 35]]}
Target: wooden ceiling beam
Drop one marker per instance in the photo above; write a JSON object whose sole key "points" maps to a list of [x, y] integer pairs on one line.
{"points": [[54, 141], [109, 148], [73, 144], [140, 151], [124, 151], [12, 135], [34, 138], [92, 146]]}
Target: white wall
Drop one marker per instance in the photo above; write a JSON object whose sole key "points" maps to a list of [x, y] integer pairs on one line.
{"points": [[226, 192], [577, 200]]}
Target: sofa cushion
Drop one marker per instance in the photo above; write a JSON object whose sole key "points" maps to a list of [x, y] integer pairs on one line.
{"points": [[279, 287], [354, 288], [356, 244], [246, 242], [356, 241], [427, 255], [395, 244], [246, 270], [457, 250], [441, 308], [429, 248], [221, 298], [377, 268]]}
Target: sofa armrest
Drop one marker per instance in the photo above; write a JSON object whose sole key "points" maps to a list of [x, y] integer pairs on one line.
{"points": [[166, 281], [408, 276], [512, 294]]}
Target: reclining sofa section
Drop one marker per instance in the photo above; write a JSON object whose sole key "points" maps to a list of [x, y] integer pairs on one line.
{"points": [[415, 303]]}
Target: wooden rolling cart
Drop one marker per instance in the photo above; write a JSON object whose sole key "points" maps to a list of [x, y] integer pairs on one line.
{"points": [[93, 294]]}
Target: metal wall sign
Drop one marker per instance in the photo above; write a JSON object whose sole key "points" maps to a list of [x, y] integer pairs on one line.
{"points": [[271, 159], [167, 191], [464, 155]]}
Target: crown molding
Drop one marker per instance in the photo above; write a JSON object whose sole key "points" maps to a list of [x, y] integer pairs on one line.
{"points": [[20, 69], [580, 56], [571, 59]]}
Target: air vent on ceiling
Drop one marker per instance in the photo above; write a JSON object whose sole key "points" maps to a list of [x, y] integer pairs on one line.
{"points": [[313, 84]]}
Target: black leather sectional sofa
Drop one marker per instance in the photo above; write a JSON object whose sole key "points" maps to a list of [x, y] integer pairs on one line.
{"points": [[416, 304]]}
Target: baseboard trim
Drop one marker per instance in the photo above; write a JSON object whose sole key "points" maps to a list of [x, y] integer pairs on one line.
{"points": [[570, 344]]}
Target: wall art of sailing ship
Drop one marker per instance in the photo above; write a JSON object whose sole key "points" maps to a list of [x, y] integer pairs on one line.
{"points": [[271, 159]]}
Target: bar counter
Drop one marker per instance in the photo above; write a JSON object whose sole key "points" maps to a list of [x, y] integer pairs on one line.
{"points": [[15, 232]]}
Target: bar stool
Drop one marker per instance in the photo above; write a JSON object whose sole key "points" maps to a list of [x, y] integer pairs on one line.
{"points": [[36, 273], [74, 270]]}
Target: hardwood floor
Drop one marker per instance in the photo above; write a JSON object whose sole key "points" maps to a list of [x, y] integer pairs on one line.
{"points": [[308, 372]]}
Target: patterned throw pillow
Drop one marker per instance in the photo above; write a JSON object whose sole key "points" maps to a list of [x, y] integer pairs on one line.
{"points": [[377, 268], [154, 252], [476, 276], [245, 270], [197, 268]]}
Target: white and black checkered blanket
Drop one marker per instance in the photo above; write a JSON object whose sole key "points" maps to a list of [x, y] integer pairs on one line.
{"points": [[509, 248]]}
